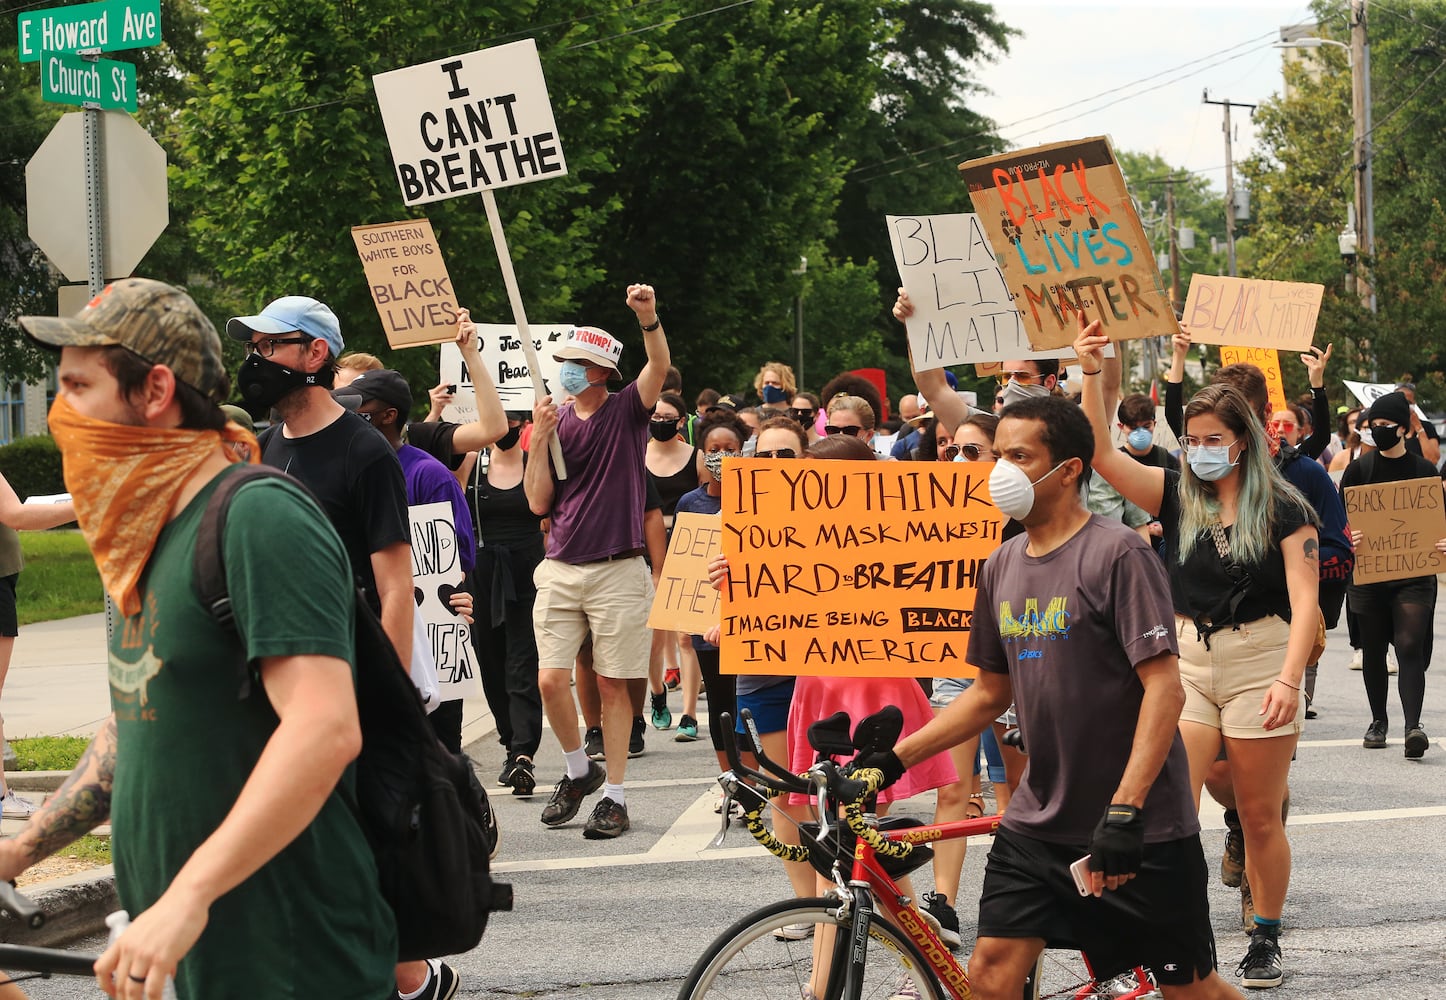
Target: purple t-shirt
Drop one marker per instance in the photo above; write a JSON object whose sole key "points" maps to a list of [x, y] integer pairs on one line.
{"points": [[429, 481], [597, 511], [1069, 628]]}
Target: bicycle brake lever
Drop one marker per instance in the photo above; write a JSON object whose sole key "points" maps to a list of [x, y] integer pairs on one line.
{"points": [[728, 782]]}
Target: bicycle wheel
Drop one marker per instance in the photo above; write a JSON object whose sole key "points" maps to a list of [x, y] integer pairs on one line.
{"points": [[1060, 974], [747, 961]]}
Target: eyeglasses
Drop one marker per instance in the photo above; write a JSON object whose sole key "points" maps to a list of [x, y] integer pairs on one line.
{"points": [[776, 453], [266, 348], [971, 452], [834, 429], [802, 416], [1023, 378], [1212, 441], [1283, 425]]}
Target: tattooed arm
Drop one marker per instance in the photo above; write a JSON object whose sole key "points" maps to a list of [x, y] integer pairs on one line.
{"points": [[79, 806]]}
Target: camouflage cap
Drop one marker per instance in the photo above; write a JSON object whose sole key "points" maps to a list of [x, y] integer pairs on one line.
{"points": [[150, 318]]}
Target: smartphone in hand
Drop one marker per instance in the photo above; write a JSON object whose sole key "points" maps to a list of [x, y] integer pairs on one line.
{"points": [[1081, 872]]}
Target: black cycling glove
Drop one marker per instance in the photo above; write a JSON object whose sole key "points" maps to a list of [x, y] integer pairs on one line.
{"points": [[884, 760], [1118, 845]]}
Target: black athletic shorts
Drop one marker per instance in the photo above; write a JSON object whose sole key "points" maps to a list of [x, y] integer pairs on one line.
{"points": [[1159, 919], [9, 624]]}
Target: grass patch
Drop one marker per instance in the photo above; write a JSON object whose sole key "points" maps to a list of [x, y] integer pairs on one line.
{"points": [[48, 753], [90, 848], [59, 580]]}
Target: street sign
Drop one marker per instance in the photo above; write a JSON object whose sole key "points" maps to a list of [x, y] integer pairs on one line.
{"points": [[134, 201], [100, 27], [104, 83]]}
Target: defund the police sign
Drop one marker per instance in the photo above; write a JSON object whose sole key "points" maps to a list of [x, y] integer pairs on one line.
{"points": [[470, 123]]}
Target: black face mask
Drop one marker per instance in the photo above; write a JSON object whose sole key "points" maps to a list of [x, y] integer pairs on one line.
{"points": [[1386, 438], [509, 440], [663, 430], [264, 383]]}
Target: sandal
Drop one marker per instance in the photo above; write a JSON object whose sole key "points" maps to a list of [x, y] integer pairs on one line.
{"points": [[974, 809]]}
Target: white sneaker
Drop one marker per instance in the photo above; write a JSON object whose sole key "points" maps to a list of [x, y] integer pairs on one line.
{"points": [[1391, 667], [1357, 660], [793, 932], [13, 805]]}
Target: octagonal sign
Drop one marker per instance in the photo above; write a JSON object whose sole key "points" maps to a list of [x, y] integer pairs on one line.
{"points": [[134, 205]]}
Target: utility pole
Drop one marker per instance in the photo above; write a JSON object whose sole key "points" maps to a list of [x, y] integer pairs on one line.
{"points": [[1227, 104], [1362, 153], [1174, 244]]}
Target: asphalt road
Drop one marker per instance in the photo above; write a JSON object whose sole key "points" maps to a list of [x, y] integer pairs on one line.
{"points": [[1366, 915]]}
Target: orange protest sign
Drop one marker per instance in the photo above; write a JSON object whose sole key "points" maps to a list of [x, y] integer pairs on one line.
{"points": [[1268, 361], [686, 601], [853, 569]]}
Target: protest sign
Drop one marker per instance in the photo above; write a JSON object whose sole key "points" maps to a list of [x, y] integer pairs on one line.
{"points": [[686, 601], [436, 575], [1252, 312], [1369, 392], [853, 569], [506, 361], [408, 281], [1268, 361], [470, 123], [1402, 522], [1068, 241]]}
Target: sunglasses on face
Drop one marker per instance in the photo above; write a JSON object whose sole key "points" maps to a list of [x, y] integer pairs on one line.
{"points": [[802, 416], [834, 429], [776, 453], [1021, 377], [971, 452]]}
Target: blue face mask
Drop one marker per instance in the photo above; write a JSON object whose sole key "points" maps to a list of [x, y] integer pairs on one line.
{"points": [[1209, 463], [774, 394], [1140, 438], [573, 378]]}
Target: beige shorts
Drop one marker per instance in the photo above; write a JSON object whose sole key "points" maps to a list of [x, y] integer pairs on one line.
{"points": [[610, 600], [1225, 684]]}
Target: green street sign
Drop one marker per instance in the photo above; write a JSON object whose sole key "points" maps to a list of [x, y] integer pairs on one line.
{"points": [[101, 27], [103, 83]]}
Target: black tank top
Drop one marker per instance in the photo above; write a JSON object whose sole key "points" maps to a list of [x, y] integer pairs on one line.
{"points": [[673, 488], [500, 517]]}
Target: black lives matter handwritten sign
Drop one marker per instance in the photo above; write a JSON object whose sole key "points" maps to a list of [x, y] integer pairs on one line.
{"points": [[436, 575], [853, 569], [685, 601], [1401, 523], [408, 281], [1252, 312], [1068, 242], [470, 123]]}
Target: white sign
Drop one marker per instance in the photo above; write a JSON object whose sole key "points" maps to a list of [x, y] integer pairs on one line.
{"points": [[436, 575], [470, 123], [507, 364], [1369, 392]]}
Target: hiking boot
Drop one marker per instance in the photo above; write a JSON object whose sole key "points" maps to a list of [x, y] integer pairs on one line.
{"points": [[441, 982], [523, 780], [662, 715], [568, 795], [608, 820], [938, 907], [687, 730], [1247, 906], [1260, 968], [635, 742], [592, 743], [1232, 862], [1376, 735], [1416, 744], [504, 777]]}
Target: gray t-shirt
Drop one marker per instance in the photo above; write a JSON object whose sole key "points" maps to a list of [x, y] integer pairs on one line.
{"points": [[1069, 628], [597, 511]]}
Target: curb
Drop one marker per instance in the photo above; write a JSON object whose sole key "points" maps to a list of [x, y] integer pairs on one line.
{"points": [[75, 907], [35, 781]]}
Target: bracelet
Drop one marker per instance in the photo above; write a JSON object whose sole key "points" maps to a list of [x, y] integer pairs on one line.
{"points": [[657, 322], [1286, 683], [1083, 372]]}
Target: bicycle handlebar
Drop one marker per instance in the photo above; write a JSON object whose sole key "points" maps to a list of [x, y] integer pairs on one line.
{"points": [[20, 907]]}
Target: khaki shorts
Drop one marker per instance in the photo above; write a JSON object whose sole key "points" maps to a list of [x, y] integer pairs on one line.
{"points": [[1225, 684], [610, 600]]}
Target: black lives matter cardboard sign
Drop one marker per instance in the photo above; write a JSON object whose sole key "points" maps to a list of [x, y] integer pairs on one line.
{"points": [[1401, 523], [470, 123]]}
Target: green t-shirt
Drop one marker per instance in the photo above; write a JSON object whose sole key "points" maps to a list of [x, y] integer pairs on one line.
{"points": [[311, 922]]}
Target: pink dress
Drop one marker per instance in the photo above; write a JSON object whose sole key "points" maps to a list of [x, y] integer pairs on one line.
{"points": [[817, 698]]}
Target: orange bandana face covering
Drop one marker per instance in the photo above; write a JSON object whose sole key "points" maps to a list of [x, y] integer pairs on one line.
{"points": [[124, 481]]}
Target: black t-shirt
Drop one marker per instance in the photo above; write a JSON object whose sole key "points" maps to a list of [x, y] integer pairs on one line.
{"points": [[1157, 458], [435, 438], [1202, 586], [355, 474], [1413, 445]]}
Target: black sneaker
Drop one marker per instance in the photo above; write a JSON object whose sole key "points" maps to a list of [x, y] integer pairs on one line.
{"points": [[504, 777], [441, 981], [1376, 735], [938, 907], [1260, 968], [608, 820], [569, 793], [1232, 862], [1416, 743], [523, 780], [592, 744], [635, 743]]}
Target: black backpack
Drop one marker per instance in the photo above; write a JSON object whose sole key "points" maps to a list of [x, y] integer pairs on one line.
{"points": [[425, 814]]}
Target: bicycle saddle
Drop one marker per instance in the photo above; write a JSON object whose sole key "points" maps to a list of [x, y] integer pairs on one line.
{"points": [[830, 736]]}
